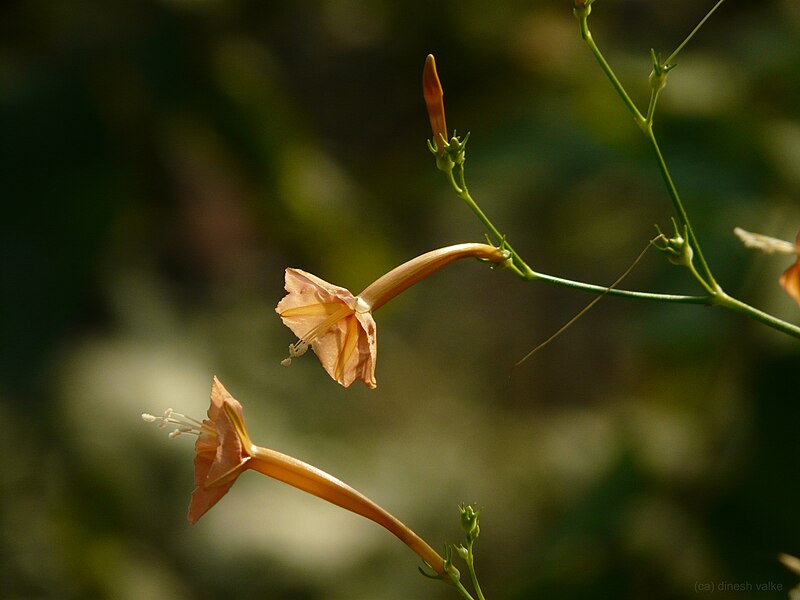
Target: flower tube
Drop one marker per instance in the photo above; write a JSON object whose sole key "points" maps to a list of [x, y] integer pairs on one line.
{"points": [[223, 451], [339, 326]]}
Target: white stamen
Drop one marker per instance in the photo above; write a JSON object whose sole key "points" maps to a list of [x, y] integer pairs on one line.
{"points": [[297, 349], [764, 243], [170, 417]]}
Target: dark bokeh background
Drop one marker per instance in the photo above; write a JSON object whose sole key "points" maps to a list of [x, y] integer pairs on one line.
{"points": [[164, 161]]}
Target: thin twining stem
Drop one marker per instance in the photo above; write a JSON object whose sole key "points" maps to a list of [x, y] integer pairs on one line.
{"points": [[586, 308], [723, 299], [587, 37], [520, 268], [646, 125], [709, 282], [694, 31]]}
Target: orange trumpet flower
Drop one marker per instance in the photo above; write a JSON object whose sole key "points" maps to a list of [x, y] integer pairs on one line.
{"points": [[339, 326], [223, 451]]}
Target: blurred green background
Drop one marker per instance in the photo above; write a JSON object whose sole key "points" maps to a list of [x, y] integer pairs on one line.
{"points": [[164, 161]]}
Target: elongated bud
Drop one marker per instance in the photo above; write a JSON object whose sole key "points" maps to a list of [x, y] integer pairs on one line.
{"points": [[432, 91]]}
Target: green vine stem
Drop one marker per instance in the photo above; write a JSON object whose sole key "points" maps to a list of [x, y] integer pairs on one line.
{"points": [[470, 560], [462, 590], [716, 295], [520, 268], [450, 159], [645, 123], [693, 32]]}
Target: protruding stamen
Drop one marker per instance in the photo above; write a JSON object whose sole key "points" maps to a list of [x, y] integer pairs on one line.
{"points": [[297, 349], [300, 347], [170, 417], [764, 243]]}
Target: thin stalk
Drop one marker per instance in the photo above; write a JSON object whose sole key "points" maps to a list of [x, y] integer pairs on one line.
{"points": [[587, 37], [716, 295], [694, 31], [462, 590], [651, 108], [722, 299], [464, 194], [600, 289], [472, 574], [646, 125], [682, 216], [522, 270]]}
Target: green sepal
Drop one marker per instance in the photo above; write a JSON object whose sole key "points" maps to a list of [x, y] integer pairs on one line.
{"points": [[677, 249]]}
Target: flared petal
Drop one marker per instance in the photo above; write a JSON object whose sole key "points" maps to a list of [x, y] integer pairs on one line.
{"points": [[324, 315], [305, 289], [790, 280], [220, 455]]}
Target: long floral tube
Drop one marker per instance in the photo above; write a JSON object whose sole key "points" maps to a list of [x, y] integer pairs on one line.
{"points": [[403, 277], [310, 479], [339, 326], [223, 451]]}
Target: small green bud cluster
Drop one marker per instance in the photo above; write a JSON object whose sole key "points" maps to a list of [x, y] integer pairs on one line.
{"points": [[449, 568], [452, 153], [469, 521], [582, 8], [677, 248], [658, 76]]}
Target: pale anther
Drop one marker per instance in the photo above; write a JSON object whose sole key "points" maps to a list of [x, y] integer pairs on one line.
{"points": [[184, 424], [298, 349]]}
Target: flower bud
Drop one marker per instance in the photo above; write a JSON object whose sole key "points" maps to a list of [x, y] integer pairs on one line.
{"points": [[469, 521], [678, 249], [433, 94]]}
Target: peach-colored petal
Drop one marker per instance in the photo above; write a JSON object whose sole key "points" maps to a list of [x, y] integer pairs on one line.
{"points": [[324, 315], [359, 364], [217, 450], [306, 289], [203, 499], [218, 453], [790, 280]]}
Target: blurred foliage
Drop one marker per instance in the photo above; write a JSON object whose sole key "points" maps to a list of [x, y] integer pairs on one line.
{"points": [[163, 161]]}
